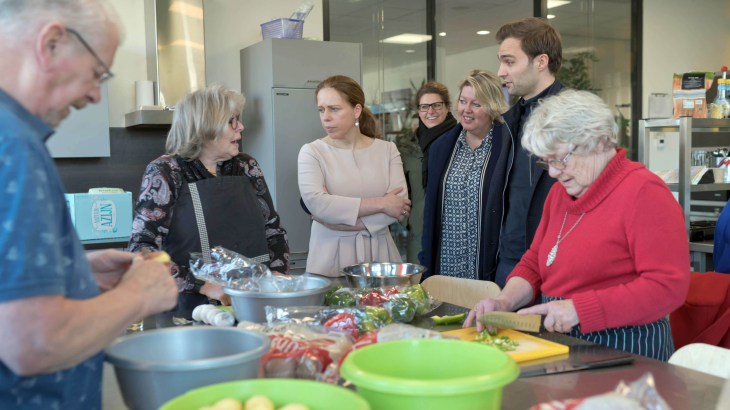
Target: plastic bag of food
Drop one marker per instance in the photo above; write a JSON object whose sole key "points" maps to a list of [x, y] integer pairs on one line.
{"points": [[366, 319], [300, 351], [637, 395], [392, 332], [689, 93], [226, 268], [406, 296], [343, 297]]}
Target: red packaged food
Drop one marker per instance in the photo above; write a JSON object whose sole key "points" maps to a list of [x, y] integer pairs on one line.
{"points": [[344, 322], [374, 298]]}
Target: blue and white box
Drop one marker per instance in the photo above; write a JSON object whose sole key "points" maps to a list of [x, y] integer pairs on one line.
{"points": [[101, 216]]}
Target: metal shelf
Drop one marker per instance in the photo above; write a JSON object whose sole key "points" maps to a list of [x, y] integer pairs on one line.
{"points": [[702, 187], [694, 133], [698, 125]]}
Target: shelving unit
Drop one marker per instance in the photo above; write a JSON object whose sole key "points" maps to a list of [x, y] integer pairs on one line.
{"points": [[694, 133]]}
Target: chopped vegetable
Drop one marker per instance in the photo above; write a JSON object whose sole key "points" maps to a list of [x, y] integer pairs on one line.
{"points": [[504, 343], [446, 320]]}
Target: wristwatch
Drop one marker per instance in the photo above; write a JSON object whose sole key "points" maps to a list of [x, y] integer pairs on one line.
{"points": [[198, 284]]}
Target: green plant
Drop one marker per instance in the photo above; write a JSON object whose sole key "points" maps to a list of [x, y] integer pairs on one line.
{"points": [[575, 74]]}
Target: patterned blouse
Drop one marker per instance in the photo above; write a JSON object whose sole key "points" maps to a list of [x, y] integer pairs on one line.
{"points": [[161, 184], [460, 224]]}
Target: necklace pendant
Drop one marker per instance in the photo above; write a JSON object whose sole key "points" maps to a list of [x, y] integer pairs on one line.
{"points": [[551, 256]]}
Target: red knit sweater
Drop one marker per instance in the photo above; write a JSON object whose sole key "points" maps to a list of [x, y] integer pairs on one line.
{"points": [[626, 263]]}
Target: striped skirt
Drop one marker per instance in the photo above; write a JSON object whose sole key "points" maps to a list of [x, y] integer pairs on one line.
{"points": [[651, 340]]}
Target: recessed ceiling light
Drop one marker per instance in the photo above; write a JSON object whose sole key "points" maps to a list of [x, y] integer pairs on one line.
{"points": [[556, 3], [483, 32], [443, 33], [550, 16], [410, 51], [408, 39]]}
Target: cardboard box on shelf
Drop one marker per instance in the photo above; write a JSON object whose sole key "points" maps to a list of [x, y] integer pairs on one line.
{"points": [[101, 216]]}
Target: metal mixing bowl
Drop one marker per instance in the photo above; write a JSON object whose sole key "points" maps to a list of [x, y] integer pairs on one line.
{"points": [[155, 366], [250, 305], [377, 275]]}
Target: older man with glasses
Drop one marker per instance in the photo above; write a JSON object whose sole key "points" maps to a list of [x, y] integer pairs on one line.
{"points": [[59, 306]]}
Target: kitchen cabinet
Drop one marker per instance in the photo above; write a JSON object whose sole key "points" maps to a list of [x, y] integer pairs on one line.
{"points": [[85, 133]]}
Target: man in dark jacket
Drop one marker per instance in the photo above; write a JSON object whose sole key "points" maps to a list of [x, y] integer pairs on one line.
{"points": [[530, 53]]}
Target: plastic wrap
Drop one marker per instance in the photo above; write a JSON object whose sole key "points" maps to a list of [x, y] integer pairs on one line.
{"points": [[301, 351], [229, 269], [402, 302], [640, 394], [364, 319]]}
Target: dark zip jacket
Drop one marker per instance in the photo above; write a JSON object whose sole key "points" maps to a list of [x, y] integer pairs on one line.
{"points": [[439, 162]]}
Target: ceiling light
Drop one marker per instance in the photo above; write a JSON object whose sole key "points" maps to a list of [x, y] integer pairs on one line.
{"points": [[408, 39], [483, 32], [550, 16], [556, 3], [410, 51], [443, 33]]}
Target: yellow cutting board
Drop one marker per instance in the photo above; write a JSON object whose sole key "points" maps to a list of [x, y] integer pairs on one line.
{"points": [[530, 348]]}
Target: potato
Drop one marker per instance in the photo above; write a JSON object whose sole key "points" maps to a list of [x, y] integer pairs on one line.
{"points": [[228, 404], [294, 406], [259, 403]]}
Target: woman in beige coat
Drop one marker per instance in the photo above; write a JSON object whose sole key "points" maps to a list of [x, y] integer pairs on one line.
{"points": [[352, 182]]}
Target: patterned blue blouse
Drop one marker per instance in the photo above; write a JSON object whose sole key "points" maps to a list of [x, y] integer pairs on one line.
{"points": [[460, 224]]}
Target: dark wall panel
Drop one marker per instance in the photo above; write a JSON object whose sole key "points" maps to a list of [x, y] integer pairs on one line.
{"points": [[131, 150]]}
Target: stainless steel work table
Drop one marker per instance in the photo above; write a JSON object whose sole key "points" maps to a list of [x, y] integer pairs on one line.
{"points": [[682, 388]]}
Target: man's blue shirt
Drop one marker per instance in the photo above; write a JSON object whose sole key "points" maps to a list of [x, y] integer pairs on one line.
{"points": [[40, 254]]}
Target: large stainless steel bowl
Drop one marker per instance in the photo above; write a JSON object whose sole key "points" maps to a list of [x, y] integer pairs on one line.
{"points": [[251, 306], [375, 275], [155, 366]]}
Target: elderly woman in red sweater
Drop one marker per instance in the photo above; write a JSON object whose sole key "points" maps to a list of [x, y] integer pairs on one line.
{"points": [[610, 259]]}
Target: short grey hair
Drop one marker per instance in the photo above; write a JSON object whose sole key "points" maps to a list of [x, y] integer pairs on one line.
{"points": [[20, 19], [202, 116], [578, 118]]}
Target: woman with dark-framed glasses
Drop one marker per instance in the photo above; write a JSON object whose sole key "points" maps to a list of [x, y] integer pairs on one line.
{"points": [[204, 192], [610, 259], [434, 120], [460, 167]]}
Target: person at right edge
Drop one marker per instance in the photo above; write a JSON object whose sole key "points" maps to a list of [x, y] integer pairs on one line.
{"points": [[530, 54]]}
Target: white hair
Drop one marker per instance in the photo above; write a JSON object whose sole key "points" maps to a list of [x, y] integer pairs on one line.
{"points": [[21, 19], [578, 118]]}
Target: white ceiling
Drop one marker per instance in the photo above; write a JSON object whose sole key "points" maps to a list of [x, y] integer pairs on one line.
{"points": [[369, 21]]}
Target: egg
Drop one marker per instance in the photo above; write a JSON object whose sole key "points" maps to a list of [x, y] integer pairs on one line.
{"points": [[259, 403], [294, 406], [197, 312], [211, 315], [223, 319], [228, 404]]}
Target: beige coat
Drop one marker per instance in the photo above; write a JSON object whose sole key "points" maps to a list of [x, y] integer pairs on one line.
{"points": [[349, 176]]}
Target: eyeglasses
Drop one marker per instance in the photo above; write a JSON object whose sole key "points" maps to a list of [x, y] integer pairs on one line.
{"points": [[436, 106], [107, 75], [556, 163], [235, 121]]}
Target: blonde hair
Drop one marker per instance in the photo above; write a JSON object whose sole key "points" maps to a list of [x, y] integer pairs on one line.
{"points": [[488, 90], [202, 116], [578, 118]]}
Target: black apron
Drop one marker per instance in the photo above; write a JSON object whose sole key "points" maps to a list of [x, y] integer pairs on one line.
{"points": [[222, 211], [652, 340]]}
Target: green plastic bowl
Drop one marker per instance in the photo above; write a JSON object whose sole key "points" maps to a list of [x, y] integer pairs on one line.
{"points": [[315, 395], [430, 374]]}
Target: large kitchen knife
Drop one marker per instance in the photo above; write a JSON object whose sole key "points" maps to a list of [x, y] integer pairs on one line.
{"points": [[562, 367], [508, 320]]}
